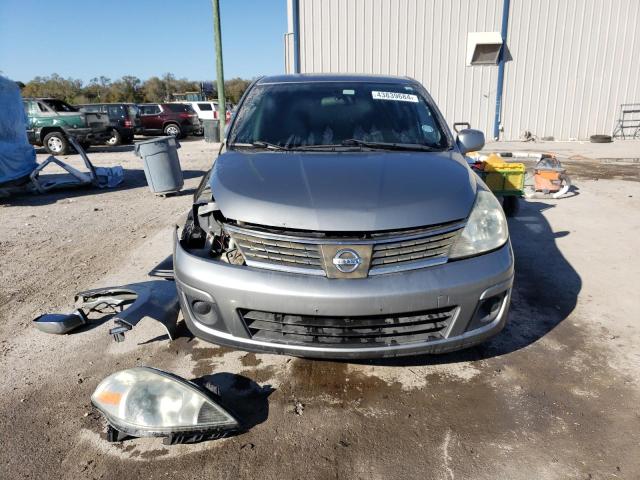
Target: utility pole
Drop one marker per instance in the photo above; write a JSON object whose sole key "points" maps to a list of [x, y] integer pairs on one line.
{"points": [[222, 102]]}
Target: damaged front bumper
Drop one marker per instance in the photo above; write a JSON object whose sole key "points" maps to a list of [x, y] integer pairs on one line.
{"points": [[465, 301]]}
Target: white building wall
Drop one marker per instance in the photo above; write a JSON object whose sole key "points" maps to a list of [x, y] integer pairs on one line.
{"points": [[573, 61]]}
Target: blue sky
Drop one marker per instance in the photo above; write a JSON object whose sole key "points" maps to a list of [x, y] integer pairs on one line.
{"points": [[88, 38]]}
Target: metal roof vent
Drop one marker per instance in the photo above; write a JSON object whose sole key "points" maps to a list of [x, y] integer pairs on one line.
{"points": [[483, 48]]}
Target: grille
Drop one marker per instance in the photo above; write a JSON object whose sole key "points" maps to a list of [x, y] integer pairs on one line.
{"points": [[391, 251], [348, 331], [430, 247], [279, 252]]}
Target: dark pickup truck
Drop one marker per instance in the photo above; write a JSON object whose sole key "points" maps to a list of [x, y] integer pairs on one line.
{"points": [[50, 123]]}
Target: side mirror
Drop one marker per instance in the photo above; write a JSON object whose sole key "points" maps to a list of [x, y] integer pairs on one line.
{"points": [[470, 140]]}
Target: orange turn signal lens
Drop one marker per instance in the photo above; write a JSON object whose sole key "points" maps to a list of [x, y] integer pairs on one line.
{"points": [[110, 398]]}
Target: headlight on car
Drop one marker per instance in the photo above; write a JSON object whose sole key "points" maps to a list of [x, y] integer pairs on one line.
{"points": [[144, 401], [486, 228]]}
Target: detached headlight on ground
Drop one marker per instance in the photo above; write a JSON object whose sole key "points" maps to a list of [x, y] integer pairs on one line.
{"points": [[486, 228], [144, 402]]}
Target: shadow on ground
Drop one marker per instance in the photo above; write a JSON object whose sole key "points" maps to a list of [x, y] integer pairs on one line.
{"points": [[545, 291], [133, 178], [119, 148], [244, 398]]}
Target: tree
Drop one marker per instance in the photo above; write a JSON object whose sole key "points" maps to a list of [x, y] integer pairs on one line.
{"points": [[126, 89], [98, 89], [67, 89], [235, 88], [154, 90], [162, 89]]}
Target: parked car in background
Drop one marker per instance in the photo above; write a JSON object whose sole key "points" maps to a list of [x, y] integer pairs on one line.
{"points": [[207, 111], [176, 119], [50, 123], [342, 220], [124, 120]]}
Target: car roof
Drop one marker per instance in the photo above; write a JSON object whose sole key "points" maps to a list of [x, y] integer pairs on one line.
{"points": [[104, 103], [333, 77]]}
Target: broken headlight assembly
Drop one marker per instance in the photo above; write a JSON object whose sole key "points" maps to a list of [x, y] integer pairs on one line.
{"points": [[486, 228], [203, 234], [147, 402]]}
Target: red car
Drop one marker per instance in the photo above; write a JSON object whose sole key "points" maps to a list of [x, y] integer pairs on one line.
{"points": [[174, 119]]}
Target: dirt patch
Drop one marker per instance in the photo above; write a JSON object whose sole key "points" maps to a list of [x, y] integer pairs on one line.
{"points": [[70, 239], [587, 169], [250, 360], [590, 170]]}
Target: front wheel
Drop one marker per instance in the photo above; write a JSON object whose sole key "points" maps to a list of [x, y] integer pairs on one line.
{"points": [[115, 138], [510, 205], [55, 143], [173, 130]]}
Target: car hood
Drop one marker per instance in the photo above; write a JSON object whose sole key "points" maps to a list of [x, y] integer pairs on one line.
{"points": [[343, 191]]}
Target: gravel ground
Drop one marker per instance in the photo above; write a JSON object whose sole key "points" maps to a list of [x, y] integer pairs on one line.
{"points": [[555, 395]]}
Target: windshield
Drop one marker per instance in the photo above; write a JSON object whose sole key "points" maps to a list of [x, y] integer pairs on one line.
{"points": [[333, 113], [60, 106], [133, 110], [116, 111]]}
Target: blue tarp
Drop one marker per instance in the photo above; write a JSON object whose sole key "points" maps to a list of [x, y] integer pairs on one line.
{"points": [[17, 156]]}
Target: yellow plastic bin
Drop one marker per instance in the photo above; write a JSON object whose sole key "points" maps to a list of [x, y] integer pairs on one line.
{"points": [[503, 178]]}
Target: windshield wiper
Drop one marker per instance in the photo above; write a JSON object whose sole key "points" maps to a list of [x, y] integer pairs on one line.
{"points": [[348, 144], [260, 144], [268, 146], [290, 148], [329, 146], [388, 145]]}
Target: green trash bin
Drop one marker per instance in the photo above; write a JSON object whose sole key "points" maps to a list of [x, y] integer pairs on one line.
{"points": [[211, 130], [161, 164]]}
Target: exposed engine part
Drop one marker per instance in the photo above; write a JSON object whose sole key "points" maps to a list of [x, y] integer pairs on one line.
{"points": [[203, 231]]}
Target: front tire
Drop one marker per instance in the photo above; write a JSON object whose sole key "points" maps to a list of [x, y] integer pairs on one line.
{"points": [[600, 139], [173, 130], [56, 143], [510, 205], [115, 139]]}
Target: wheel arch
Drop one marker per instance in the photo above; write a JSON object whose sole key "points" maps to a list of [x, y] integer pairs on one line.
{"points": [[44, 131], [170, 122]]}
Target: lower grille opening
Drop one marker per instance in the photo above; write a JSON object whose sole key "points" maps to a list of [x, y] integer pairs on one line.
{"points": [[348, 331]]}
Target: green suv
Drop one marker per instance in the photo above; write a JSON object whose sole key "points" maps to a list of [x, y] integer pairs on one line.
{"points": [[50, 123]]}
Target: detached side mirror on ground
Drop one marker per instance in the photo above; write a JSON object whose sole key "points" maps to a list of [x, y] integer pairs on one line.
{"points": [[470, 140]]}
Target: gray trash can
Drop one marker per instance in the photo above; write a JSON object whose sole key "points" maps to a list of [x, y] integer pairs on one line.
{"points": [[211, 130], [161, 164]]}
